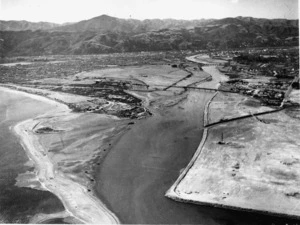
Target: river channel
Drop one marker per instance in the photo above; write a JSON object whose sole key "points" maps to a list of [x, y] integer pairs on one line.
{"points": [[146, 161], [133, 178]]}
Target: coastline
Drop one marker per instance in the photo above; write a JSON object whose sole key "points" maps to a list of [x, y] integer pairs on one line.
{"points": [[172, 192], [36, 97], [77, 201]]}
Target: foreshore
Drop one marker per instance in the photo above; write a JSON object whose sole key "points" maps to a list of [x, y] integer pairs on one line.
{"points": [[78, 202], [36, 97]]}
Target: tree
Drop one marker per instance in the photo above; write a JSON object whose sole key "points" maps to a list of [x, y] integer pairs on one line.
{"points": [[2, 48]]}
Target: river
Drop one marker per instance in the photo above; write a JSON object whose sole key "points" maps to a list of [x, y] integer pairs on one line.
{"points": [[146, 161], [132, 180]]}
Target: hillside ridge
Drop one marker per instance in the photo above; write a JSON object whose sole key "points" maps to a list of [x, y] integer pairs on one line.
{"points": [[105, 34]]}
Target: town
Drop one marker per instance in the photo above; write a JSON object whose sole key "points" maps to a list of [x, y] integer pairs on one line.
{"points": [[266, 74]]}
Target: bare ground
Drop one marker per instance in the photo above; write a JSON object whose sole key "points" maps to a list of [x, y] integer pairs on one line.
{"points": [[78, 201], [250, 164]]}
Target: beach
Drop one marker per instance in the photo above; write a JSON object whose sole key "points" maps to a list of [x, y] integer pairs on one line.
{"points": [[104, 169], [19, 204], [78, 202]]}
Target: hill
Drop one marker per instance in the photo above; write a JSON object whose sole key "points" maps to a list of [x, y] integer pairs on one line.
{"points": [[105, 34], [13, 25], [105, 23]]}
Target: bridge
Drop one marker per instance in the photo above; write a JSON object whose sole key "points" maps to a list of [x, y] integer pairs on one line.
{"points": [[212, 64], [202, 89], [185, 88], [197, 88]]}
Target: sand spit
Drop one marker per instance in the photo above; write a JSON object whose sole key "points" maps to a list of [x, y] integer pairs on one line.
{"points": [[43, 218], [75, 197], [78, 202]]}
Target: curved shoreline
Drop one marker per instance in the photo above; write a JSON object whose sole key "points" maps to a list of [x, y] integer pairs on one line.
{"points": [[35, 96], [173, 193], [75, 197], [77, 201]]}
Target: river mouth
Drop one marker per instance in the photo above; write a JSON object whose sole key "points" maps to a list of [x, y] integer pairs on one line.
{"points": [[144, 162], [147, 160]]}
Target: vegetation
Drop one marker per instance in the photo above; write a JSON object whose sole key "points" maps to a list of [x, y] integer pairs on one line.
{"points": [[106, 34]]}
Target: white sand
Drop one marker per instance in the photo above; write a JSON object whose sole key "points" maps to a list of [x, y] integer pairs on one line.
{"points": [[77, 201]]}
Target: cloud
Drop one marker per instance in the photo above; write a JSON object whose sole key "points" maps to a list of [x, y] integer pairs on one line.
{"points": [[235, 1]]}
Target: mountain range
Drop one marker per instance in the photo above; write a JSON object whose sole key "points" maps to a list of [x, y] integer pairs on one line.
{"points": [[106, 34], [13, 25]]}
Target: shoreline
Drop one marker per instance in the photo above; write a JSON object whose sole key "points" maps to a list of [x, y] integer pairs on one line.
{"points": [[22, 129], [77, 201], [172, 193], [175, 194], [35, 96], [135, 186]]}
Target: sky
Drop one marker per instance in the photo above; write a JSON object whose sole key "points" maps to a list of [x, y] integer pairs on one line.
{"points": [[60, 11]]}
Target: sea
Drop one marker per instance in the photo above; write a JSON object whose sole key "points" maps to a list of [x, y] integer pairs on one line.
{"points": [[19, 204]]}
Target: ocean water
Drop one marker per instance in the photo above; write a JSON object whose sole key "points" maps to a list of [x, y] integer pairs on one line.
{"points": [[19, 204]]}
